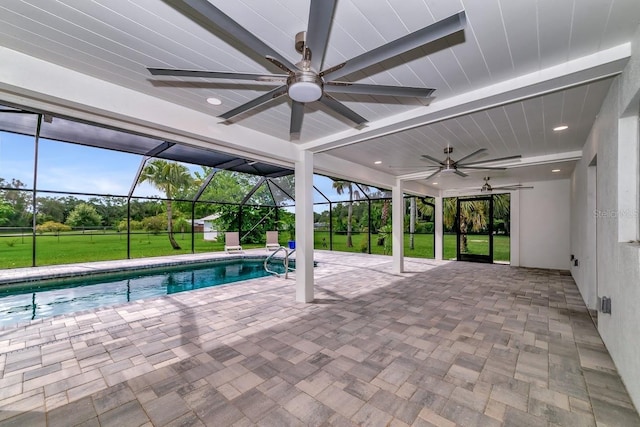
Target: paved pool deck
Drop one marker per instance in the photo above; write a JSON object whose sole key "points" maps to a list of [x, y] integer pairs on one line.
{"points": [[444, 344]]}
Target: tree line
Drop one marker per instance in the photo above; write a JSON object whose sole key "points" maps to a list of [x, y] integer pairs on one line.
{"points": [[221, 198]]}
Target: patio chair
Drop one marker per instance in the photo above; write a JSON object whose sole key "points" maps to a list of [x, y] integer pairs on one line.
{"points": [[272, 241], [232, 242]]}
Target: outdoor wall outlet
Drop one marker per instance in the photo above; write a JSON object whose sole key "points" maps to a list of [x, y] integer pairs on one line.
{"points": [[605, 305], [575, 262]]}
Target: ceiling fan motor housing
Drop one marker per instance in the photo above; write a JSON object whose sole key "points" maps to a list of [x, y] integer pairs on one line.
{"points": [[304, 86], [486, 188]]}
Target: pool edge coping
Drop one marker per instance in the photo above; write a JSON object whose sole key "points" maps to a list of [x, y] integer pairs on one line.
{"points": [[31, 274]]}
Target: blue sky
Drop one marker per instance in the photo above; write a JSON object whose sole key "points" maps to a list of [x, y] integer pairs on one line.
{"points": [[69, 167], [76, 168]]}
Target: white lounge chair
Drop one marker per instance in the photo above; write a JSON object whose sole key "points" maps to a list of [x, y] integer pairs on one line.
{"points": [[232, 242], [272, 241]]}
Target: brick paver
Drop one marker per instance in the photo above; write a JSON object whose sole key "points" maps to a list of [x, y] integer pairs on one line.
{"points": [[446, 344]]}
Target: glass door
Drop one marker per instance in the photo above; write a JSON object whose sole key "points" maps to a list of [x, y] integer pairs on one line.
{"points": [[474, 218]]}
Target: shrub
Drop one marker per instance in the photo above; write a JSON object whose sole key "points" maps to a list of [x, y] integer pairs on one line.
{"points": [[424, 227], [11, 243], [52, 227], [135, 225], [181, 225], [364, 245], [155, 224], [384, 238], [84, 215]]}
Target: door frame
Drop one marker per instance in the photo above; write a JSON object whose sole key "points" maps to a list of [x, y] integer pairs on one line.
{"points": [[475, 257]]}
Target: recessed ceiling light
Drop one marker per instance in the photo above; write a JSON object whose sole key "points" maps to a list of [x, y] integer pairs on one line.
{"points": [[559, 128], [214, 101], [377, 162], [434, 183], [555, 170]]}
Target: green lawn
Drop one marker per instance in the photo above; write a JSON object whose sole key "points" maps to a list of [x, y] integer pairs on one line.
{"points": [[423, 245], [479, 245], [16, 251]]}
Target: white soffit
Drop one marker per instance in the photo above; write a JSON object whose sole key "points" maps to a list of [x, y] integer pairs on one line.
{"points": [[520, 66]]}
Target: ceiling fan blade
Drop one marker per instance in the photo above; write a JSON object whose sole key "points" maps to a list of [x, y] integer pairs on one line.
{"points": [[482, 168], [413, 40], [282, 78], [433, 174], [279, 64], [433, 159], [475, 153], [342, 109], [320, 17], [211, 18], [499, 159], [297, 113], [272, 94], [365, 89], [512, 187], [460, 173]]}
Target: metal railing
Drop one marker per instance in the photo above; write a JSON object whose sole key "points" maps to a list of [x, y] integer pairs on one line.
{"points": [[285, 262]]}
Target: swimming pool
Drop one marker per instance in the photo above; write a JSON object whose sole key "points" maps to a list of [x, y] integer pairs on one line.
{"points": [[34, 300]]}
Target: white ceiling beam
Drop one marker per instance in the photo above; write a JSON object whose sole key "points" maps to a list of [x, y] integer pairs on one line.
{"points": [[577, 72], [546, 159]]}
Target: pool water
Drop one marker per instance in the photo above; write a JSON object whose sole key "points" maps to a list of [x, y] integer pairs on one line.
{"points": [[35, 300]]}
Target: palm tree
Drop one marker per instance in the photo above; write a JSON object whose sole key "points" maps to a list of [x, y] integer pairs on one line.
{"points": [[384, 219], [341, 187], [501, 209], [412, 221], [170, 178], [473, 215], [425, 208]]}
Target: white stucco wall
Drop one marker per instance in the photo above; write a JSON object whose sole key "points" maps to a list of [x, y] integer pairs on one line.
{"points": [[543, 236], [583, 227], [617, 262]]}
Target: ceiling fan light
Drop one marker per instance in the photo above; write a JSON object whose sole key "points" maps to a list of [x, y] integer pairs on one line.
{"points": [[305, 91]]}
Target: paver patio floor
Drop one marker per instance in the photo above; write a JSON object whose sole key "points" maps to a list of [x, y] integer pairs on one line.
{"points": [[443, 344]]}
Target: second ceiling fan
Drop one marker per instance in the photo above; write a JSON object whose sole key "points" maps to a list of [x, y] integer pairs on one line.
{"points": [[307, 80], [454, 166], [487, 188]]}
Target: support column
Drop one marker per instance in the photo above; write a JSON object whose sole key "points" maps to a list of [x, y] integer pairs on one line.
{"points": [[304, 226], [514, 229], [397, 221], [438, 228]]}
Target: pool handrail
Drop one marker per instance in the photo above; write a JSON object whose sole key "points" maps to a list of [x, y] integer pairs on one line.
{"points": [[285, 262]]}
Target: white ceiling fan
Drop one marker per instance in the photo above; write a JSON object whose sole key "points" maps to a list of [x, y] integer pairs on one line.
{"points": [[307, 80]]}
